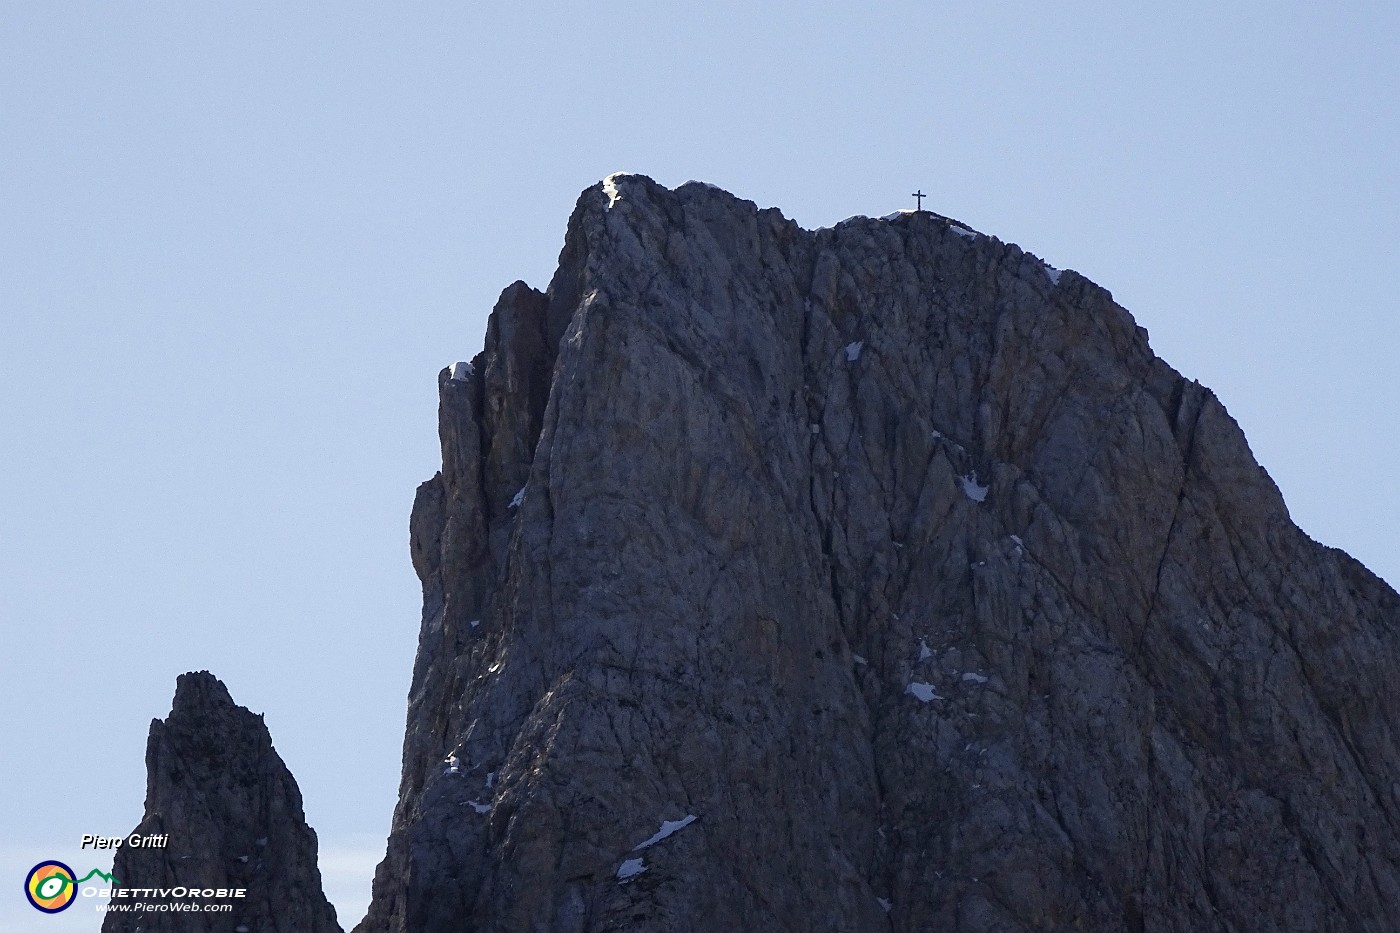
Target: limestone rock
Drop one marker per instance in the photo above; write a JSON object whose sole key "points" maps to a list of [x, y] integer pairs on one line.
{"points": [[231, 814], [897, 560]]}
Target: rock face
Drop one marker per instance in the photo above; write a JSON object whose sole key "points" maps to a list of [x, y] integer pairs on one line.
{"points": [[231, 814], [877, 577]]}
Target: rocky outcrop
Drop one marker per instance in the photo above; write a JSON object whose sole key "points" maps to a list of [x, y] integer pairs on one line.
{"points": [[229, 814], [876, 577]]}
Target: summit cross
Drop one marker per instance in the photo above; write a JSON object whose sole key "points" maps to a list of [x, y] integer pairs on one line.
{"points": [[918, 197]]}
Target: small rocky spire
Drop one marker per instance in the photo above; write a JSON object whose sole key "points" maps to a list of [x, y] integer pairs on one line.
{"points": [[222, 813]]}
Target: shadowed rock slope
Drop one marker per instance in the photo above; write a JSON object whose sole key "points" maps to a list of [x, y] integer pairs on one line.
{"points": [[232, 814], [898, 561]]}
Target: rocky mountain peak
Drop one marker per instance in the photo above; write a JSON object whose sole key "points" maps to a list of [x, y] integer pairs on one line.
{"points": [[871, 577], [227, 817], [890, 566]]}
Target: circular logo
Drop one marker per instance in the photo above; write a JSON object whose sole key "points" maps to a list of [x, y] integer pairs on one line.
{"points": [[49, 887]]}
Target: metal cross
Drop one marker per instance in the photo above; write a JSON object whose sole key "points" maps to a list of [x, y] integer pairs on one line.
{"points": [[918, 197]]}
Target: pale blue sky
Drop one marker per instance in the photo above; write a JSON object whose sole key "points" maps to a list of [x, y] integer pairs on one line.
{"points": [[236, 246]]}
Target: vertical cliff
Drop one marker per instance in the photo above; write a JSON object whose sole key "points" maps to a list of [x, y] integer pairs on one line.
{"points": [[875, 577], [231, 816]]}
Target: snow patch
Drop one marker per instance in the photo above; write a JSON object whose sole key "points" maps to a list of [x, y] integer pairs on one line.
{"points": [[1052, 273], [518, 498], [922, 692], [884, 903], [474, 623], [610, 187], [974, 678], [630, 869], [853, 350], [702, 184], [858, 659], [668, 827], [454, 765], [972, 490], [924, 652], [479, 807], [459, 371], [963, 231]]}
